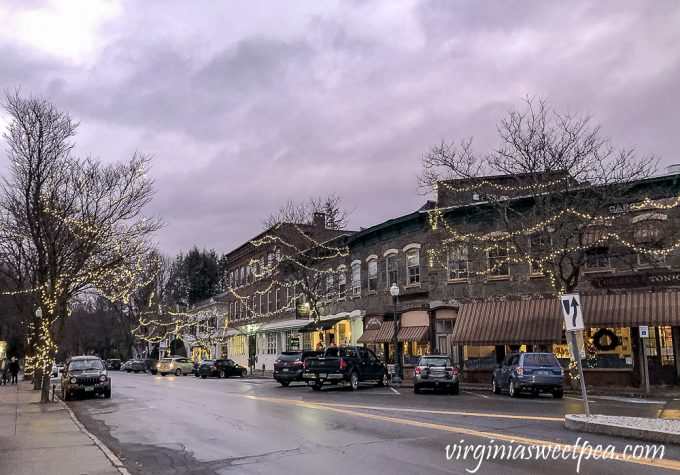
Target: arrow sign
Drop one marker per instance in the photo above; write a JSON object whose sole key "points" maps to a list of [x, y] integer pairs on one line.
{"points": [[573, 316]]}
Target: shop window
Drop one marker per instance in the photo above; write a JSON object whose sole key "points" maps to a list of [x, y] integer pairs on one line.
{"points": [[442, 345], [660, 346], [498, 260], [479, 358], [444, 326], [307, 341], [458, 263], [413, 267], [356, 278], [414, 350], [392, 273], [598, 257], [271, 343], [372, 275]]}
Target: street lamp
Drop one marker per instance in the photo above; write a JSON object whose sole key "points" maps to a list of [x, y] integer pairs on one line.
{"points": [[38, 312], [394, 291]]}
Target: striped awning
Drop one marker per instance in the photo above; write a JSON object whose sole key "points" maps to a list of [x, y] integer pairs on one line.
{"points": [[368, 336], [413, 334], [534, 321], [386, 333], [631, 309]]}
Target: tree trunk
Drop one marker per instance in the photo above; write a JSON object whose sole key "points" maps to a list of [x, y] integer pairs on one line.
{"points": [[45, 395]]}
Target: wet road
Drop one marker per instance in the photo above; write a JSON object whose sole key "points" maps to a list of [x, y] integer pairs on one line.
{"points": [[193, 426]]}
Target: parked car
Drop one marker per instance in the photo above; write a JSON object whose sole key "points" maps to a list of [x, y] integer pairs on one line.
{"points": [[435, 372], [179, 365], [348, 364], [113, 364], [126, 366], [222, 368], [57, 368], [138, 366], [151, 365], [534, 372], [85, 375], [289, 365]]}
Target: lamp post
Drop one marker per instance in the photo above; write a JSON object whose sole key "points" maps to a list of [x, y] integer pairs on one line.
{"points": [[394, 291]]}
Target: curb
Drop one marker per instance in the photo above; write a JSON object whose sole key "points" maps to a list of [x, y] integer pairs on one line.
{"points": [[107, 452], [596, 425]]}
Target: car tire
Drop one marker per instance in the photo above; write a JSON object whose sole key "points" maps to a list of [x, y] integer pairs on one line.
{"points": [[316, 386], [514, 392], [285, 384], [163, 374], [535, 393], [558, 393], [222, 374], [107, 394], [383, 380], [353, 381], [494, 386], [243, 373], [178, 372], [455, 389], [196, 374], [136, 371], [204, 376], [128, 370], [416, 389]]}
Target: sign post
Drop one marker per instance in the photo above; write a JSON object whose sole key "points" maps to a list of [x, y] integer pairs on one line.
{"points": [[644, 334], [573, 320]]}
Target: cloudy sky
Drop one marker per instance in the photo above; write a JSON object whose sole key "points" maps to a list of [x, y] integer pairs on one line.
{"points": [[245, 105]]}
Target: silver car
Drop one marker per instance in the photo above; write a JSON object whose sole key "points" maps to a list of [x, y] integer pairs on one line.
{"points": [[436, 372], [177, 365]]}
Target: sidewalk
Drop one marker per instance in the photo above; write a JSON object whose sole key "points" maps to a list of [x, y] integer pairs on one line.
{"points": [[37, 439], [663, 392]]}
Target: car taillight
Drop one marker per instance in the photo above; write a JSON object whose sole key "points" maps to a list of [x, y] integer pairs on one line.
{"points": [[454, 370], [297, 363], [212, 367], [306, 364], [343, 365], [519, 370], [417, 369]]}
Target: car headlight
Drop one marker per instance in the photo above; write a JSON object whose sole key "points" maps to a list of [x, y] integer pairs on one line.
{"points": [[102, 378], [73, 380]]}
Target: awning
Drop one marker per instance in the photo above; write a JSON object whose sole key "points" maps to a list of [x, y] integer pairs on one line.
{"points": [[508, 322], [413, 334], [631, 309], [323, 325], [368, 336], [385, 333]]}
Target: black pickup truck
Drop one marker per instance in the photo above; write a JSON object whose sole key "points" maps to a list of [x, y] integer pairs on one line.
{"points": [[348, 364]]}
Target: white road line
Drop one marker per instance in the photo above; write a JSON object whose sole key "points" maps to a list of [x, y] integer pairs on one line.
{"points": [[476, 394], [395, 391]]}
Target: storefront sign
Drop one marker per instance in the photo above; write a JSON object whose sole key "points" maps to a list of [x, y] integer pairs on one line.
{"points": [[637, 280], [620, 208], [644, 331], [294, 343], [373, 323]]}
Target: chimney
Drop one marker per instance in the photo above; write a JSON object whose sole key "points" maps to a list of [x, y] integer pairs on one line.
{"points": [[319, 219]]}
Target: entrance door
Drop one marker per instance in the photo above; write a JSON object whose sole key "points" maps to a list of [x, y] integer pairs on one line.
{"points": [[252, 350]]}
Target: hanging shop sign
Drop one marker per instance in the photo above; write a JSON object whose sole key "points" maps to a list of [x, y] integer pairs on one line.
{"points": [[373, 322]]}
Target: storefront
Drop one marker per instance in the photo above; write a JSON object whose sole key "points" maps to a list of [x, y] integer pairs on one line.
{"points": [[334, 330]]}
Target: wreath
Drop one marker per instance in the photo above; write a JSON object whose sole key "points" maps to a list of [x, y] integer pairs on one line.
{"points": [[605, 335]]}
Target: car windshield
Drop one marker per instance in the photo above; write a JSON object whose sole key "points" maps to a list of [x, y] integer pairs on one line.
{"points": [[84, 365], [290, 355], [540, 359], [206, 362], [435, 362], [166, 360]]}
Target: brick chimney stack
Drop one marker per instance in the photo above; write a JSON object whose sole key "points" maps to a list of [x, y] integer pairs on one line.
{"points": [[319, 220]]}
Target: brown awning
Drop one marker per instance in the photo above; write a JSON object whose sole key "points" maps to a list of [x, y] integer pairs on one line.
{"points": [[413, 334], [631, 309], [535, 321], [386, 333], [368, 336]]}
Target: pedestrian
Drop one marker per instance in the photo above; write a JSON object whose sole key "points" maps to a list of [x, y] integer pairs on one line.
{"points": [[14, 369], [4, 370]]}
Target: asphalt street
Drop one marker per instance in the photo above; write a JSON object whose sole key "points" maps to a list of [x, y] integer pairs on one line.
{"points": [[187, 425]]}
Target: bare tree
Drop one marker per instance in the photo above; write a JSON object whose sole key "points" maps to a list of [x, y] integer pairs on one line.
{"points": [[303, 212], [68, 225], [551, 183]]}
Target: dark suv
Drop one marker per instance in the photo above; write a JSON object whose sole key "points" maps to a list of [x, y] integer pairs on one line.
{"points": [[289, 365], [85, 375], [220, 369], [533, 372]]}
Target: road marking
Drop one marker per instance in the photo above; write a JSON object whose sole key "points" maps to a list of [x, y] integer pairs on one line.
{"points": [[628, 400], [395, 391], [475, 394], [657, 463]]}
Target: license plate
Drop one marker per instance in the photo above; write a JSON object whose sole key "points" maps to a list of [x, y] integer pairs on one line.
{"points": [[322, 375], [285, 369], [543, 372], [89, 388]]}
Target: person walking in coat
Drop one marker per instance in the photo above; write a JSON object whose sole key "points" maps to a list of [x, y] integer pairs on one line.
{"points": [[4, 370], [14, 369]]}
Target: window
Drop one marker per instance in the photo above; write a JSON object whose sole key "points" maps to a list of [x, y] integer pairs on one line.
{"points": [[444, 326], [278, 298], [597, 257], [254, 304], [278, 256], [243, 276], [356, 278], [540, 246], [342, 283], [247, 274], [442, 345], [269, 301], [271, 343], [392, 273], [231, 279], [270, 263], [372, 275], [413, 267], [498, 260], [231, 310], [261, 306], [238, 345], [651, 259], [242, 312], [458, 263], [330, 284], [289, 296]]}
